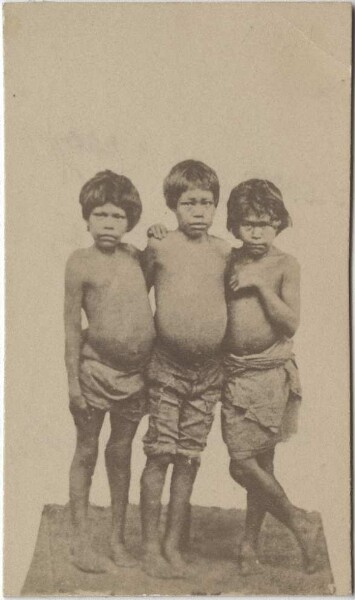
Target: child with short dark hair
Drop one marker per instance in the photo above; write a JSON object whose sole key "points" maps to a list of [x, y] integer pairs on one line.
{"points": [[262, 390], [105, 365], [187, 269]]}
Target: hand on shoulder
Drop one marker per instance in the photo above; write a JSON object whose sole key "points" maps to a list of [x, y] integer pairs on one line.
{"points": [[158, 231]]}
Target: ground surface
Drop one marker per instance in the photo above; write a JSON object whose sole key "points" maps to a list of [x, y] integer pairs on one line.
{"points": [[213, 566]]}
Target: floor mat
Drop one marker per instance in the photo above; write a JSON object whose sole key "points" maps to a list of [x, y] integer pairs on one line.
{"points": [[213, 568]]}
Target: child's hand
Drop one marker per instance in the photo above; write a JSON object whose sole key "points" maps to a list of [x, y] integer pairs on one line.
{"points": [[245, 278], [158, 231], [77, 403]]}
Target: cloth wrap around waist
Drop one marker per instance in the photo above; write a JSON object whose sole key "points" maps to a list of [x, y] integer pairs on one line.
{"points": [[266, 386]]}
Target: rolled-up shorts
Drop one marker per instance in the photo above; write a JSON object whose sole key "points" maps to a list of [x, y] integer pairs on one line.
{"points": [[182, 401], [109, 389]]}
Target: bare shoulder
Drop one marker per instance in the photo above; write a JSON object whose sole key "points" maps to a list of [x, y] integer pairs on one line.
{"points": [[131, 251], [222, 246], [78, 261], [288, 262]]}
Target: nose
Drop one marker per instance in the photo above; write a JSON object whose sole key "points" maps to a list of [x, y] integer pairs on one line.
{"points": [[109, 223], [256, 232], [198, 212]]}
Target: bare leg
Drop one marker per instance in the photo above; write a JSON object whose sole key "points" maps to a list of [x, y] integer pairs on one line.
{"points": [[249, 473], [183, 477], [152, 484], [186, 530], [81, 471], [256, 511], [118, 466]]}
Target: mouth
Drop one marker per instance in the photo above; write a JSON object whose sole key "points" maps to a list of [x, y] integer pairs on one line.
{"points": [[107, 238], [198, 226], [256, 247]]}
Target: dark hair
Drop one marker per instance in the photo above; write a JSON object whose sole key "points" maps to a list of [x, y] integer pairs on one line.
{"points": [[186, 174], [260, 196], [107, 186]]}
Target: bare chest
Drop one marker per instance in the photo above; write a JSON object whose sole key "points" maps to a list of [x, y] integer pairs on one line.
{"points": [[192, 268], [269, 271], [114, 275]]}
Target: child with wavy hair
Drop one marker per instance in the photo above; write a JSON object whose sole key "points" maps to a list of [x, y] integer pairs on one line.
{"points": [[262, 390]]}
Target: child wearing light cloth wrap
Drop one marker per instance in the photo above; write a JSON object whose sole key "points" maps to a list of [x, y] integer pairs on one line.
{"points": [[262, 390], [105, 363], [261, 399]]}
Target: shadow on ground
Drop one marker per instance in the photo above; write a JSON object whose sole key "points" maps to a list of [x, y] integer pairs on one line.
{"points": [[212, 558]]}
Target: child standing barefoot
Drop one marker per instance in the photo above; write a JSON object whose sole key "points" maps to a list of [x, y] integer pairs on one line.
{"points": [[187, 269], [105, 370], [262, 387]]}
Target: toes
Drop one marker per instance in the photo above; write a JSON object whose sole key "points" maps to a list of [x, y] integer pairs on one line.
{"points": [[158, 567], [122, 558], [93, 563]]}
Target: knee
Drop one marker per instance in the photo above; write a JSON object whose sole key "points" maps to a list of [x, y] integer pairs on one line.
{"points": [[192, 462], [118, 453], [238, 472], [87, 454], [158, 462]]}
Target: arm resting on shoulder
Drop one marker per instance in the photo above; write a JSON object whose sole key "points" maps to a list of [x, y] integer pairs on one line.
{"points": [[148, 264]]}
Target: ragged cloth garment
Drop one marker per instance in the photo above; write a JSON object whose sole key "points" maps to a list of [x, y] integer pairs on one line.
{"points": [[266, 386]]}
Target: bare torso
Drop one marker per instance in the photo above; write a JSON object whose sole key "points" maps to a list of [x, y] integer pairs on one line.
{"points": [[189, 276], [249, 329], [120, 322]]}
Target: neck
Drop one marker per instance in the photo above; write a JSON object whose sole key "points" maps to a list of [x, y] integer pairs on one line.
{"points": [[194, 240], [106, 251], [248, 254]]}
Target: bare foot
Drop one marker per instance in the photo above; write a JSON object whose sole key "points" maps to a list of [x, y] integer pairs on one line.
{"points": [[85, 559], [174, 557], [121, 557], [248, 560], [307, 532], [155, 565]]}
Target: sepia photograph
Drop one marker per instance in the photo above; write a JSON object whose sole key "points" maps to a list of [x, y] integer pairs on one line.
{"points": [[177, 357]]}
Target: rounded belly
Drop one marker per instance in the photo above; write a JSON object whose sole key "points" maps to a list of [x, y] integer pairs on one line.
{"points": [[192, 328], [125, 341], [248, 330]]}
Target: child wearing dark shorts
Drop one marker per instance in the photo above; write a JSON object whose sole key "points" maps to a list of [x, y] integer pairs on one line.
{"points": [[182, 401], [187, 269]]}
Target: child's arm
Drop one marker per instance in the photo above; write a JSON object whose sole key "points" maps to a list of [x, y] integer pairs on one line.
{"points": [[72, 323], [148, 258], [283, 310]]}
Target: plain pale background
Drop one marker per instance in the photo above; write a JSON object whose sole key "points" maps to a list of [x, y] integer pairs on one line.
{"points": [[258, 90]]}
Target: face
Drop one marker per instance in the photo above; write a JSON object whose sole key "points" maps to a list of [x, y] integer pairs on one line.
{"points": [[257, 233], [195, 211], [107, 224]]}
